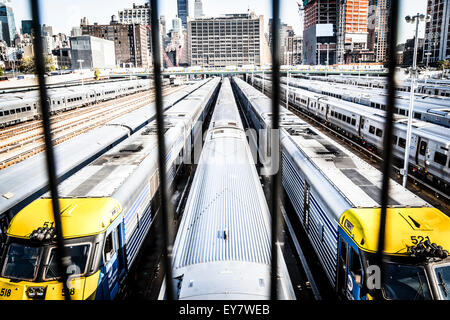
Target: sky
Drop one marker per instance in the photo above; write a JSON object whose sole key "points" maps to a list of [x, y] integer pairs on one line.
{"points": [[62, 15]]}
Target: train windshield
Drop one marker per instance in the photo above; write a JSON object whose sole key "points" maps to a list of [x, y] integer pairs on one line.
{"points": [[442, 274], [406, 282], [79, 256], [21, 262]]}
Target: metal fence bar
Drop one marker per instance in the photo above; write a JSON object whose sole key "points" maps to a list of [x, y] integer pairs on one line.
{"points": [[388, 129], [63, 259], [275, 180], [167, 248]]}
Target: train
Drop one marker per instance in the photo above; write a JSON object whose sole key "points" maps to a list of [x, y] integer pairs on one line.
{"points": [[433, 109], [107, 209], [336, 197], [430, 143], [24, 106], [222, 250], [25, 181], [437, 87]]}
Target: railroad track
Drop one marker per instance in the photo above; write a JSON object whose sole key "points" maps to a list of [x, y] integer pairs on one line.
{"points": [[35, 144]]}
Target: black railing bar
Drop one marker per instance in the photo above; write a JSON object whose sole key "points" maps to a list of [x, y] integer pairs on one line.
{"points": [[387, 152], [63, 259], [167, 251], [275, 179]]}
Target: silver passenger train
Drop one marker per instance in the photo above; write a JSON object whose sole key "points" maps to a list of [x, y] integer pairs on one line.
{"points": [[223, 248], [433, 109], [437, 87], [336, 197], [430, 143], [24, 106]]}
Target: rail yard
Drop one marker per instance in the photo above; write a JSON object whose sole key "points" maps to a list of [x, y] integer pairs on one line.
{"points": [[220, 158]]}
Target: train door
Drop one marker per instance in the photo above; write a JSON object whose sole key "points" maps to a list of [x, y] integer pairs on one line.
{"points": [[421, 152], [342, 267], [113, 262], [350, 271]]}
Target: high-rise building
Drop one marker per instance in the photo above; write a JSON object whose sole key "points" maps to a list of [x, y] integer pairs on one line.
{"points": [[8, 24], [139, 14], [183, 11], [176, 24], [232, 39], [286, 35], [27, 25], [75, 32], [319, 33], [408, 52], [297, 47], [162, 21], [198, 9], [437, 33], [47, 30], [130, 42], [352, 32], [378, 28]]}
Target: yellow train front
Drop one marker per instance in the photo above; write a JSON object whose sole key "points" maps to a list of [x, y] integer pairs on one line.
{"points": [[29, 265]]}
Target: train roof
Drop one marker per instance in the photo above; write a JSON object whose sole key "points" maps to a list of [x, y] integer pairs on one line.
{"points": [[357, 181]]}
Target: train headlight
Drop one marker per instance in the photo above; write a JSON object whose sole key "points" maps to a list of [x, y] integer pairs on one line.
{"points": [[36, 292]]}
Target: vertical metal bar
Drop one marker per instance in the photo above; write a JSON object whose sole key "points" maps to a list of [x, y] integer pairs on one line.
{"points": [[167, 248], [387, 153], [275, 183], [63, 260]]}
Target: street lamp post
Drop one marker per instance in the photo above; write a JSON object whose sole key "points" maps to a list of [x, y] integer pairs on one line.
{"points": [[81, 70], [415, 19]]}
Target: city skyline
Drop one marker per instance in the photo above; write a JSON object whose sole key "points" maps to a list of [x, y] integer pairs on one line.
{"points": [[94, 11]]}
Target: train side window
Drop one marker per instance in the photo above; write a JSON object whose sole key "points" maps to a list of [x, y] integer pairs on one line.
{"points": [[379, 132], [402, 143], [109, 247], [394, 140], [1, 113], [372, 129], [344, 118], [6, 113], [12, 111], [353, 122], [440, 158], [355, 267], [423, 148], [348, 119], [417, 115]]}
